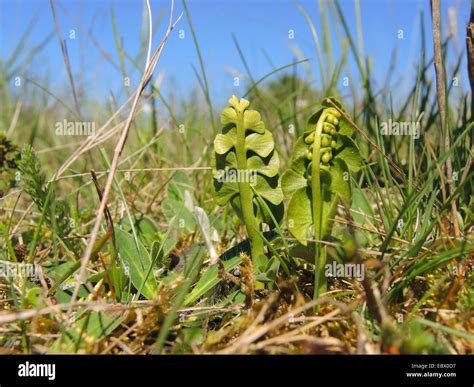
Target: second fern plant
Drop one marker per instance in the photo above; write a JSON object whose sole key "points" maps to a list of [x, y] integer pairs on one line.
{"points": [[319, 179]]}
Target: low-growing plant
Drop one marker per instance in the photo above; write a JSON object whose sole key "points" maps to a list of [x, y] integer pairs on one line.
{"points": [[32, 177], [56, 212], [9, 157], [319, 179], [245, 169]]}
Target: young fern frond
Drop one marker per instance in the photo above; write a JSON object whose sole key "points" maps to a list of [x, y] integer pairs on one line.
{"points": [[245, 167], [319, 179], [32, 177], [35, 185]]}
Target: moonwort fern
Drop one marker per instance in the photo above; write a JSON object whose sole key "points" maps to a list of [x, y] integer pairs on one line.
{"points": [[319, 179], [245, 171]]}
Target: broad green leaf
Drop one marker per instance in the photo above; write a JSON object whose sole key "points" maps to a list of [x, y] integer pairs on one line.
{"points": [[268, 168], [329, 209], [345, 128], [269, 190], [261, 144], [347, 150], [340, 180], [225, 192], [138, 261], [225, 142], [299, 217], [228, 116], [253, 121], [292, 181]]}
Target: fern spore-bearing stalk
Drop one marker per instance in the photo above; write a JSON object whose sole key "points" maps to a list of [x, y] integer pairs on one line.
{"points": [[319, 180], [320, 158]]}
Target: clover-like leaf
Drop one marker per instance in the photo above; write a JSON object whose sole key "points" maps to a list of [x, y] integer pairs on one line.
{"points": [[253, 121], [228, 116], [265, 167], [261, 144], [224, 142]]}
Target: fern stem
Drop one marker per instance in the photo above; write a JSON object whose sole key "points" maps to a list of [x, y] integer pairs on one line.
{"points": [[246, 195], [320, 256]]}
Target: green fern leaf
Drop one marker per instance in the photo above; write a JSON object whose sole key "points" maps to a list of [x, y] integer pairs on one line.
{"points": [[245, 167]]}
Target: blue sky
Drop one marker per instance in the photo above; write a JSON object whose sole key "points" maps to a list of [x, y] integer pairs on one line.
{"points": [[259, 26]]}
